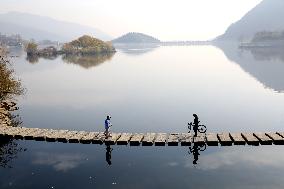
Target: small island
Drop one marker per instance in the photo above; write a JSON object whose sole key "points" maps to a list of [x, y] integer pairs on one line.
{"points": [[85, 45], [136, 38]]}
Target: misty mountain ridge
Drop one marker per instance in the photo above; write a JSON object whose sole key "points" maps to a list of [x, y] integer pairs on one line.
{"points": [[135, 37], [37, 27], [266, 16]]}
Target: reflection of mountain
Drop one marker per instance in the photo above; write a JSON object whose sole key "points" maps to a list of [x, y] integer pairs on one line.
{"points": [[136, 49], [268, 54], [266, 65], [87, 61]]}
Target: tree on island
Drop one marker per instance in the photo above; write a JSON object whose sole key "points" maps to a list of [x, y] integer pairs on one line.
{"points": [[87, 45], [31, 48]]}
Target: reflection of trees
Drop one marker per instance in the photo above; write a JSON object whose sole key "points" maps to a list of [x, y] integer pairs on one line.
{"points": [[10, 87], [268, 54], [88, 61], [32, 59], [8, 147], [8, 151]]}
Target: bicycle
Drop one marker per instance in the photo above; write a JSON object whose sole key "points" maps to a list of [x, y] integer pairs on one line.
{"points": [[197, 148], [200, 128]]}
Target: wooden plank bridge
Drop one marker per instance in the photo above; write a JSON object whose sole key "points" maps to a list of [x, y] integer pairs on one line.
{"points": [[144, 139]]}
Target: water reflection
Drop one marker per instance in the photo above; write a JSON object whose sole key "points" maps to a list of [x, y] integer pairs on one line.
{"points": [[264, 64], [195, 149], [62, 162], [9, 150], [34, 58], [88, 61], [108, 154], [136, 49], [267, 54]]}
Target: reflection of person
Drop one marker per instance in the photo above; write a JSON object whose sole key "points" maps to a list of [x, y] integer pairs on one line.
{"points": [[107, 126], [108, 154], [195, 152], [195, 124]]}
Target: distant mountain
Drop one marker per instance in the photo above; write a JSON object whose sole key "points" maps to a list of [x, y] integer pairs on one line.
{"points": [[134, 37], [36, 27], [266, 16]]}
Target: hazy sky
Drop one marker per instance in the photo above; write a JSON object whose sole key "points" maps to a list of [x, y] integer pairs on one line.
{"points": [[164, 19]]}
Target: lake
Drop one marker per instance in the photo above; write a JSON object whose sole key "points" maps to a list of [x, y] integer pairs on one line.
{"points": [[150, 89]]}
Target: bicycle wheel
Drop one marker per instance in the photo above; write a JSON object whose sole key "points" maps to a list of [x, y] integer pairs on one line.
{"points": [[202, 128], [189, 150], [202, 147]]}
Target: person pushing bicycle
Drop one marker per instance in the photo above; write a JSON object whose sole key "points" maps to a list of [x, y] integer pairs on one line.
{"points": [[195, 124]]}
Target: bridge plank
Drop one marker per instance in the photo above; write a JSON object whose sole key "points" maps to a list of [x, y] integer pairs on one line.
{"points": [[23, 132], [280, 134], [53, 136], [87, 139], [277, 139], [40, 136], [77, 137], [148, 139], [66, 136], [212, 139], [26, 133], [250, 139], [173, 139], [225, 139], [13, 131], [112, 139], [2, 130], [136, 139], [199, 139], [263, 139], [124, 138], [9, 130], [99, 139], [185, 139], [30, 135], [161, 139], [237, 139]]}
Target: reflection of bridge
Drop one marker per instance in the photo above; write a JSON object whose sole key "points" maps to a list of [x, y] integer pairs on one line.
{"points": [[146, 139]]}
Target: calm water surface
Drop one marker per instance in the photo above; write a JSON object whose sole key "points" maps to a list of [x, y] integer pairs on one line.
{"points": [[153, 89]]}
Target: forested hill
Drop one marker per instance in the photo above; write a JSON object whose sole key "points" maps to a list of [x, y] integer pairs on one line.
{"points": [[134, 37], [266, 16]]}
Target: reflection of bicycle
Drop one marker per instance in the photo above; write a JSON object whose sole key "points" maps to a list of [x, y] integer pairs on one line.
{"points": [[197, 148], [200, 128]]}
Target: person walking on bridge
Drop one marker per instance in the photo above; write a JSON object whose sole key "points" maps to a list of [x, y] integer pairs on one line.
{"points": [[107, 126]]}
